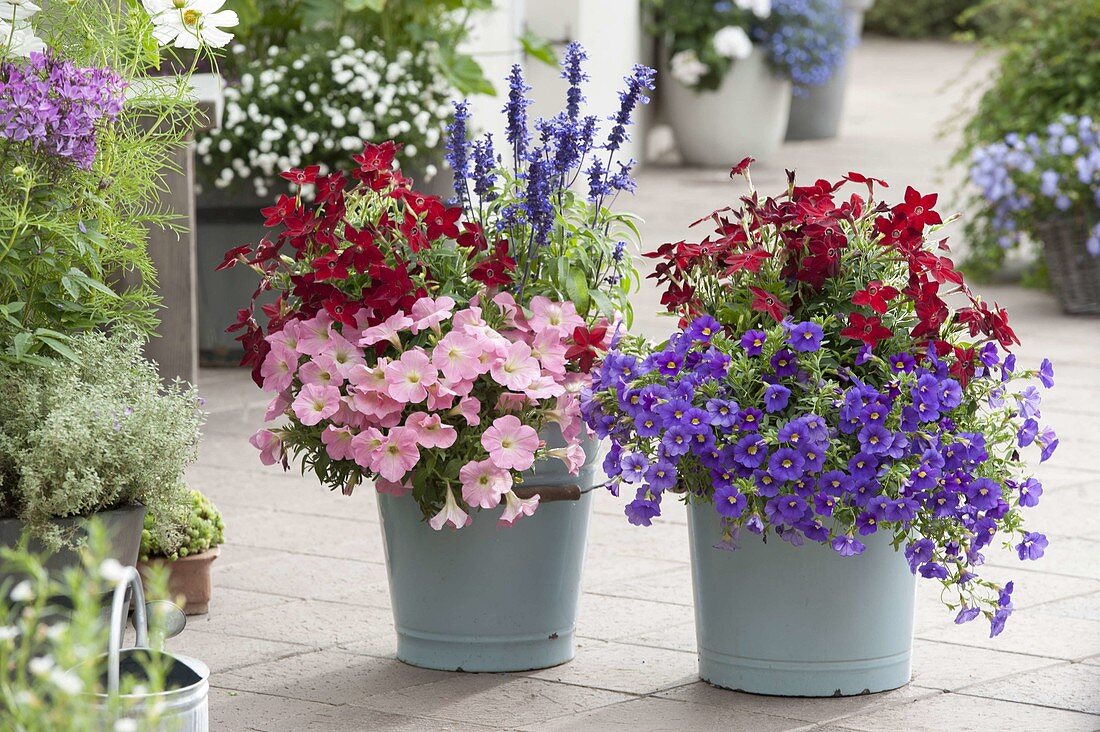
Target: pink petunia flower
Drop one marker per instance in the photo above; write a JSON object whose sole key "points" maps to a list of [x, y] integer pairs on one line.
{"points": [[278, 406], [450, 514], [376, 405], [509, 403], [344, 353], [288, 336], [543, 387], [549, 348], [573, 456], [365, 444], [546, 313], [470, 409], [510, 443], [567, 414], [483, 483], [516, 508], [387, 331], [393, 487], [315, 403], [313, 334], [278, 368], [513, 315], [457, 356], [408, 379], [397, 456], [271, 448], [429, 313], [518, 369], [337, 442], [470, 317], [321, 371], [430, 430], [440, 398], [370, 379]]}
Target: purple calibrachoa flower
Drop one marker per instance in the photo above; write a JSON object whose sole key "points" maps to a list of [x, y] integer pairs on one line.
{"points": [[729, 502], [753, 342], [805, 337], [776, 397], [1033, 546], [846, 546], [634, 467]]}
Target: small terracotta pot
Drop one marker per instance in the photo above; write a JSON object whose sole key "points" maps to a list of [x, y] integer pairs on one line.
{"points": [[189, 578]]}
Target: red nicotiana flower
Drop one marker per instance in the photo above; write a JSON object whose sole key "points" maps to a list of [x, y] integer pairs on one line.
{"points": [[765, 302], [442, 221], [497, 269], [742, 167], [234, 255], [301, 176], [376, 157], [331, 187], [875, 296], [472, 237], [918, 208], [414, 235], [331, 266], [990, 322], [870, 330], [586, 345], [275, 215], [749, 261], [338, 307]]}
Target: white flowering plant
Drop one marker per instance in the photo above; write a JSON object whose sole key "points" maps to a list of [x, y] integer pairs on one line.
{"points": [[51, 626], [292, 106]]}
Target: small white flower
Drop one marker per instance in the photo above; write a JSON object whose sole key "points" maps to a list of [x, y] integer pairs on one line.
{"points": [[687, 68], [40, 666], [760, 8], [126, 725], [191, 23], [8, 632], [112, 570], [732, 42], [67, 681], [22, 592]]}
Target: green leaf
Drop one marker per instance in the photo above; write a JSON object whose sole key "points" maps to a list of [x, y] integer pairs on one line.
{"points": [[538, 48], [577, 288], [356, 5], [61, 348], [464, 73], [23, 342]]}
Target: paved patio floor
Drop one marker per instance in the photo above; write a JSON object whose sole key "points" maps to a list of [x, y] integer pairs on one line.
{"points": [[300, 637]]}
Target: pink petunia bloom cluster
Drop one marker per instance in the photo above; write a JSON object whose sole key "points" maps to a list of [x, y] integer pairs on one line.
{"points": [[425, 387]]}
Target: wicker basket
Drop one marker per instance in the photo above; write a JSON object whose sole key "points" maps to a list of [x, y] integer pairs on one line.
{"points": [[1074, 273]]}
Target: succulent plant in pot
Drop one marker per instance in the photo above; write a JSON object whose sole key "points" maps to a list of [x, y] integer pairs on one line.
{"points": [[188, 559]]}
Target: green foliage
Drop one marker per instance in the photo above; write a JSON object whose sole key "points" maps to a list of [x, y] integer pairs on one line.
{"points": [[918, 18], [1049, 65], [96, 433], [51, 625], [201, 530], [73, 242]]}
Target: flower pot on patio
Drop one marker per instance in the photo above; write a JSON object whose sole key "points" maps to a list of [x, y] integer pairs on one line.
{"points": [[746, 115], [816, 113], [189, 578], [123, 526], [772, 618], [1074, 272], [488, 598]]}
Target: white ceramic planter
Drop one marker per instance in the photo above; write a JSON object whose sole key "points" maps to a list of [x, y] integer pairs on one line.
{"points": [[746, 115]]}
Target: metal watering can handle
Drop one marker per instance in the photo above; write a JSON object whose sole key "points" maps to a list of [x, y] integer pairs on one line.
{"points": [[130, 578]]}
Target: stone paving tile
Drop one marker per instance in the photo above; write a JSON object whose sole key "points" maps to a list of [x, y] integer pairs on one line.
{"points": [[222, 652], [960, 713], [329, 677], [497, 700], [602, 567], [1084, 607], [302, 576], [672, 586], [804, 710], [677, 637], [663, 541], [620, 667], [663, 715], [613, 618], [321, 536], [949, 667], [309, 622], [1027, 632], [1066, 555], [1066, 686], [339, 719], [240, 710]]}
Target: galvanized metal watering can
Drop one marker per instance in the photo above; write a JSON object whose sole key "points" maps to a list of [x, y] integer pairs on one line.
{"points": [[184, 704]]}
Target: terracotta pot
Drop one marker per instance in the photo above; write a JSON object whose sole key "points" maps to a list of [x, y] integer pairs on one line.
{"points": [[189, 578]]}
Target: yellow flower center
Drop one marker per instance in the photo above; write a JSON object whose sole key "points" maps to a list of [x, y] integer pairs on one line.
{"points": [[191, 17]]}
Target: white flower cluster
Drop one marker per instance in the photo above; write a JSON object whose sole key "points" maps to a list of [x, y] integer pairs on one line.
{"points": [[293, 109], [687, 67]]}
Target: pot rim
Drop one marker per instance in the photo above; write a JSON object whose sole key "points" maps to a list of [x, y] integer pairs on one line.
{"points": [[207, 556]]}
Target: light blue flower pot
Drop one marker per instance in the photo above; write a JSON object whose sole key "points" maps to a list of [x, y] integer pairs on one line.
{"points": [[484, 598], [799, 621]]}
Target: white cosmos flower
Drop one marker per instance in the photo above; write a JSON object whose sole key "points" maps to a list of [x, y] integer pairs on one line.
{"points": [[191, 23], [16, 33], [732, 42]]}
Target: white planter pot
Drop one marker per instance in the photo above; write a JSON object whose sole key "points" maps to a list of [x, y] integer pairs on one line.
{"points": [[746, 115]]}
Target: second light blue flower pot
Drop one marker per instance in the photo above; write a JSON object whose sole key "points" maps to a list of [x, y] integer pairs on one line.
{"points": [[484, 598], [771, 618]]}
